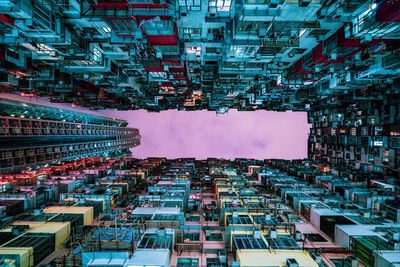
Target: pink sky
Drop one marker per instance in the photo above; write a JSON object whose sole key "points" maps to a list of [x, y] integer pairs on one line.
{"points": [[201, 134]]}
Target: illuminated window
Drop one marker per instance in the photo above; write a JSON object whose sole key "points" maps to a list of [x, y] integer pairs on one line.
{"points": [[361, 19], [193, 32], [194, 50], [167, 88], [241, 51], [190, 4], [158, 75], [221, 5], [378, 143], [97, 56]]}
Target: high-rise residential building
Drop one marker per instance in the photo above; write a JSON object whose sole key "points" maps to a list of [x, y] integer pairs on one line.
{"points": [[68, 197], [336, 60], [32, 135]]}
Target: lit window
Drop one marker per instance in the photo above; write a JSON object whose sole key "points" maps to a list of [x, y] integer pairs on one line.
{"points": [[378, 143], [194, 50], [193, 32], [107, 29], [221, 5], [97, 56], [158, 75]]}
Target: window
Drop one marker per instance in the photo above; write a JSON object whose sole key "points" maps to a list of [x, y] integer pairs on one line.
{"points": [[241, 51], [158, 75], [370, 158], [167, 49], [251, 27], [255, 2], [221, 5], [106, 29], [188, 262], [248, 242], [378, 143], [213, 262], [193, 32], [193, 218], [158, 27], [97, 56], [213, 236], [46, 49], [194, 50], [361, 19], [378, 130], [191, 4], [192, 236]]}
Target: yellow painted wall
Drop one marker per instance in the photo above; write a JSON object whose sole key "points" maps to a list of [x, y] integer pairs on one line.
{"points": [[88, 212], [25, 256]]}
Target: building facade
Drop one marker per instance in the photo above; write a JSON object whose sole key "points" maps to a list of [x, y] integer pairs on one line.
{"points": [[33, 135]]}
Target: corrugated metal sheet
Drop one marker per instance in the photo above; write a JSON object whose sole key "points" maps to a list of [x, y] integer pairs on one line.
{"points": [[61, 230]]}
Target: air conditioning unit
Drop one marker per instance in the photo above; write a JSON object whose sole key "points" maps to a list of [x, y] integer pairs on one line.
{"points": [[262, 32], [292, 263], [210, 37], [183, 11], [393, 235], [323, 13], [222, 257], [339, 13], [298, 235], [353, 261], [208, 233], [304, 3], [394, 244], [212, 12], [366, 38], [273, 233], [257, 234], [365, 214]]}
